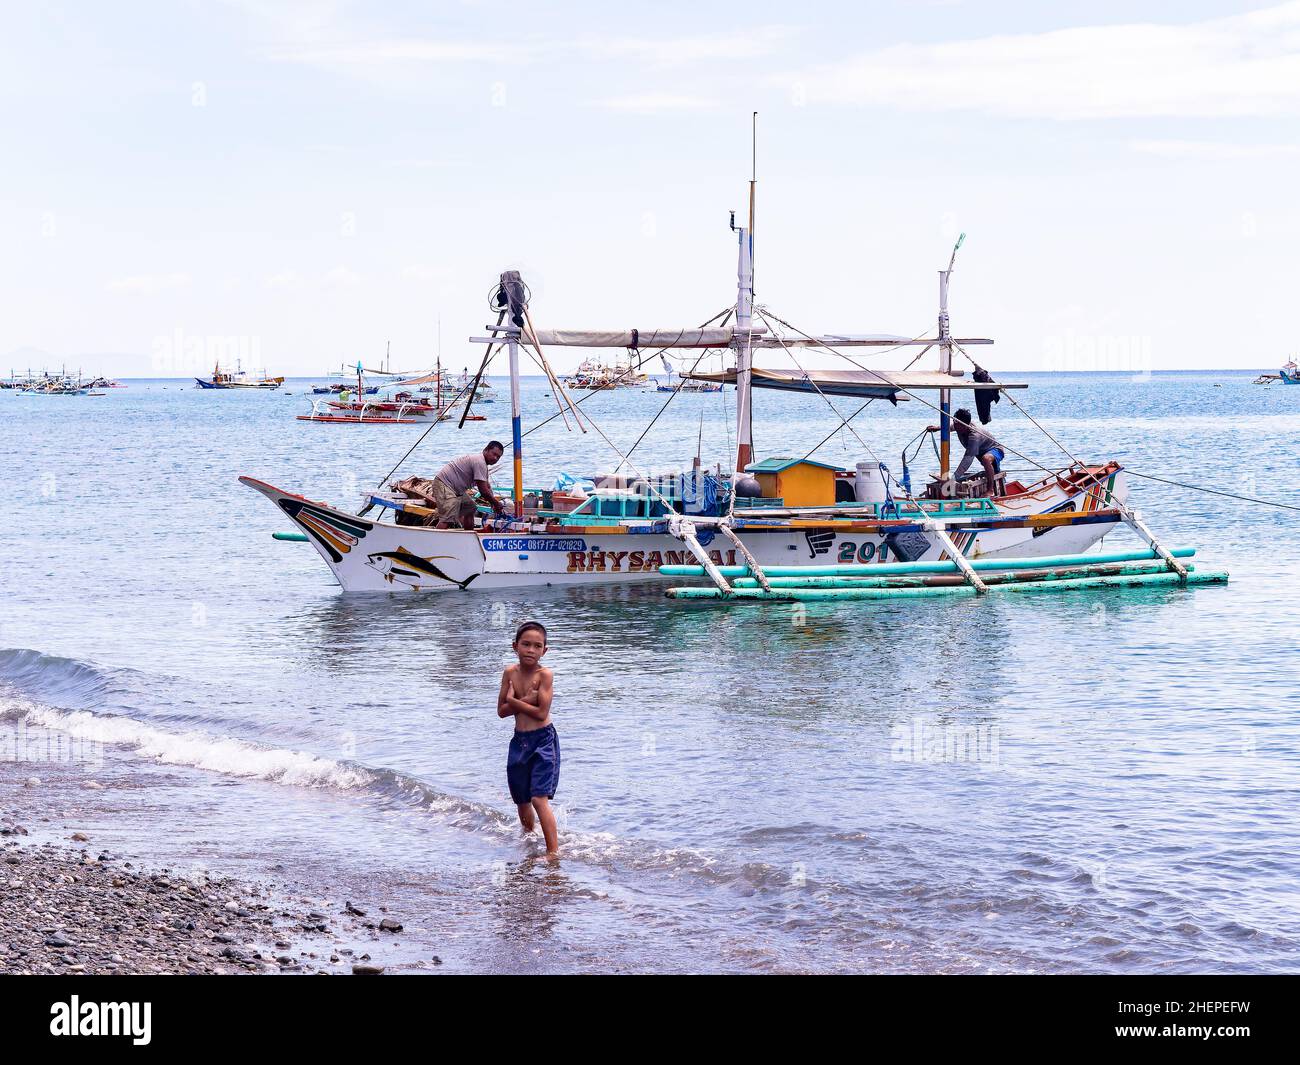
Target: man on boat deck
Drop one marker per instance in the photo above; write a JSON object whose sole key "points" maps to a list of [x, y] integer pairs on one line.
{"points": [[979, 444], [452, 484]]}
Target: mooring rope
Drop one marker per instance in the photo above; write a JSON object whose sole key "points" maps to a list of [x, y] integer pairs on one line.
{"points": [[1212, 491]]}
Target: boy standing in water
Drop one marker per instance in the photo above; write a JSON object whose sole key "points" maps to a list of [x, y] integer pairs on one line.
{"points": [[533, 764]]}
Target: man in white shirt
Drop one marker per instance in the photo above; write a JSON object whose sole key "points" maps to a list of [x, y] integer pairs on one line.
{"points": [[452, 484]]}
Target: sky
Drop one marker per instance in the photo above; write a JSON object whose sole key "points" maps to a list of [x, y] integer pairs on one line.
{"points": [[304, 184]]}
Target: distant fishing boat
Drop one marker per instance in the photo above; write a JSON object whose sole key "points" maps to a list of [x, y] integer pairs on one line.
{"points": [[240, 378], [360, 414], [597, 375], [1289, 374], [399, 408], [683, 383], [48, 384]]}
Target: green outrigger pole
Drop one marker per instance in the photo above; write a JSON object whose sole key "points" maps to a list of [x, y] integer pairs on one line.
{"points": [[892, 569], [807, 594], [919, 580]]}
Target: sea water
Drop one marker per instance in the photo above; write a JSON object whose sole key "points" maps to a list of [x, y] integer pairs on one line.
{"points": [[1091, 781]]}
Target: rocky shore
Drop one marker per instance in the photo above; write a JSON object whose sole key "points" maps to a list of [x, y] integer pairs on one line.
{"points": [[73, 908]]}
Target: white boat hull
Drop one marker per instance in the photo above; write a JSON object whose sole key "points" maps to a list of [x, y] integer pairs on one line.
{"points": [[380, 556]]}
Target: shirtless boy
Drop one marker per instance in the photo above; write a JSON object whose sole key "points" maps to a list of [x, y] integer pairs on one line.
{"points": [[533, 764]]}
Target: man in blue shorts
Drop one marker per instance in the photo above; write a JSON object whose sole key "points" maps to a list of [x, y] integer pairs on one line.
{"points": [[979, 444]]}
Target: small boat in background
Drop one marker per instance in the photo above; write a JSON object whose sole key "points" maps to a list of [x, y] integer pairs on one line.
{"points": [[48, 384], [1288, 375], [399, 408], [239, 379], [360, 414], [596, 375]]}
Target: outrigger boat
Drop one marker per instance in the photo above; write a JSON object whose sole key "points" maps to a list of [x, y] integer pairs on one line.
{"points": [[1289, 374], [780, 528], [596, 375], [402, 408], [60, 384]]}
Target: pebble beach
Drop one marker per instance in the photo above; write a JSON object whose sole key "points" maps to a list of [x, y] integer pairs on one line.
{"points": [[69, 904]]}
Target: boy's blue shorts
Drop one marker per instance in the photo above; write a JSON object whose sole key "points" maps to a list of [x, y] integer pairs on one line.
{"points": [[533, 765]]}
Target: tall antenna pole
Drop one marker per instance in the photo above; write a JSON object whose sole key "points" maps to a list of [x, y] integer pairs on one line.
{"points": [[945, 365], [744, 337]]}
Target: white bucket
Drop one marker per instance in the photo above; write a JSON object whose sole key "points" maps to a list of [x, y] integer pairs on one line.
{"points": [[869, 484]]}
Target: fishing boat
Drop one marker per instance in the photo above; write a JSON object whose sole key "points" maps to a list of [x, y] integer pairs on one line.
{"points": [[484, 392], [240, 378], [597, 375], [678, 382], [783, 515], [448, 395], [49, 384], [1290, 373], [687, 386], [362, 414]]}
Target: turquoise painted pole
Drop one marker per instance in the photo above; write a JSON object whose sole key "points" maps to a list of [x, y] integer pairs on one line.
{"points": [[890, 569], [814, 594], [943, 580]]}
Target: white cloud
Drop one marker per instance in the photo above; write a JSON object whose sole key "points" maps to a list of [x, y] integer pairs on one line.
{"points": [[338, 45], [342, 277], [373, 53], [284, 279], [149, 284], [657, 103], [426, 275], [1211, 151], [1240, 65], [677, 51]]}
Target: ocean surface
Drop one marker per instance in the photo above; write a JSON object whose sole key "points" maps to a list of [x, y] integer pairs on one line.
{"points": [[1098, 782]]}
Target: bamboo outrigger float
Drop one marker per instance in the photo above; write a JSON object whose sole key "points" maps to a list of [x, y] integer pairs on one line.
{"points": [[748, 540]]}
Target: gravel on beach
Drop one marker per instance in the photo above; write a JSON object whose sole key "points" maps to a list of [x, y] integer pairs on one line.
{"points": [[76, 909]]}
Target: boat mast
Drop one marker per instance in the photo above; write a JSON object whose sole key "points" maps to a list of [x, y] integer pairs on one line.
{"points": [[516, 433], [945, 365], [744, 338]]}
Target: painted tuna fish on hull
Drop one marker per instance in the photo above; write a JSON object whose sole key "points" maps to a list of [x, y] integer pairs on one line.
{"points": [[404, 567]]}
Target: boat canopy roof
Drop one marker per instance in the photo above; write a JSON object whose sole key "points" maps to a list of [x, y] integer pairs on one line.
{"points": [[638, 338], [723, 337], [860, 340], [882, 384]]}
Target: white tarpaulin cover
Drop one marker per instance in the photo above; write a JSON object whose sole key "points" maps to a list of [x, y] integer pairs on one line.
{"points": [[881, 383], [637, 338], [859, 340]]}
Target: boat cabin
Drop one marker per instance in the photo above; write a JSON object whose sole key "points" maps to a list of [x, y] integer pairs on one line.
{"points": [[799, 482]]}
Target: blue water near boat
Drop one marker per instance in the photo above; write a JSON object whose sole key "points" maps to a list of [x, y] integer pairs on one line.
{"points": [[1097, 782]]}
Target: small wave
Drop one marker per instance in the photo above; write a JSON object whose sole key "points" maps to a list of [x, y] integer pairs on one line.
{"points": [[200, 751], [61, 681]]}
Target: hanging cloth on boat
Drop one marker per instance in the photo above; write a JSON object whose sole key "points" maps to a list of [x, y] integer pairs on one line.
{"points": [[512, 297], [985, 397]]}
